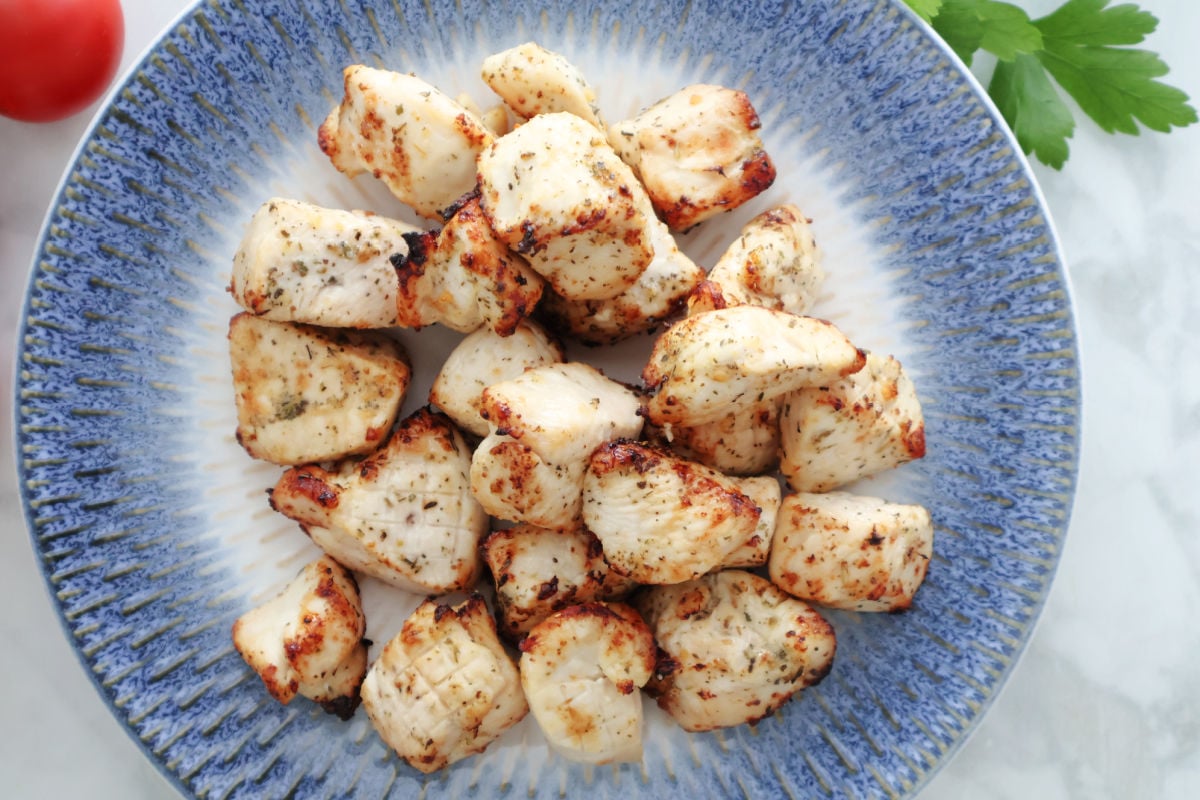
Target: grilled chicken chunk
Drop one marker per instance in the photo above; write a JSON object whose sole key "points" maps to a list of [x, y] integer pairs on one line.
{"points": [[657, 295], [766, 493], [308, 394], [463, 277], [697, 152], [443, 688], [737, 648], [404, 515], [544, 425], [851, 551], [847, 429], [533, 80], [774, 263], [309, 639], [662, 519], [581, 669], [538, 571], [485, 358], [745, 442], [299, 262], [407, 133], [554, 191], [711, 365]]}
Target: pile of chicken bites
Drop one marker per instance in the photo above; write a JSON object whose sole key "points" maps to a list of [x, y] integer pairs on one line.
{"points": [[635, 537]]}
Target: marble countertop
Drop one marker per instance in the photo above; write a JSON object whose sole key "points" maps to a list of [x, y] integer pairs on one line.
{"points": [[1102, 705]]}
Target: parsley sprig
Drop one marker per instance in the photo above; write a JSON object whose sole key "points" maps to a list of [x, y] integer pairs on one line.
{"points": [[1083, 47]]}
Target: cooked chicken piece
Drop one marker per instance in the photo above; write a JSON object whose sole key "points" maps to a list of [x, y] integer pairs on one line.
{"points": [[512, 482], [847, 429], [308, 640], [658, 294], [697, 152], [299, 262], [766, 493], [533, 80], [662, 519], [309, 394], [407, 133], [443, 688], [544, 424], [404, 515], [737, 648], [774, 263], [495, 119], [581, 669], [563, 411], [851, 551], [538, 571], [711, 365], [745, 442], [554, 191], [463, 277], [485, 358]]}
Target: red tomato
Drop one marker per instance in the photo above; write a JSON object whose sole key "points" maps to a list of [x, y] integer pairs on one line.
{"points": [[57, 56]]}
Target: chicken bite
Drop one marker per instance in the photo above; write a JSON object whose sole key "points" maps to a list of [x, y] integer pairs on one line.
{"points": [[659, 293], [408, 134], [443, 688], [538, 571], [544, 424], [774, 263], [306, 394], [555, 192], [484, 358], [661, 519], [404, 515], [737, 648], [298, 262], [308, 640], [765, 492], [697, 152], [463, 277], [533, 80], [745, 442], [710, 365], [851, 551], [847, 429], [581, 669]]}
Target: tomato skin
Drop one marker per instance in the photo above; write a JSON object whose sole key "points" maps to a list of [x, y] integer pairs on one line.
{"points": [[57, 56]]}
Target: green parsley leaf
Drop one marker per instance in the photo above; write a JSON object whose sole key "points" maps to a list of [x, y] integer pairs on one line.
{"points": [[1114, 86], [1000, 28], [1033, 109], [925, 9]]}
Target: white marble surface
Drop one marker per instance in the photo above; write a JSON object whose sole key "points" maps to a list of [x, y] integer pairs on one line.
{"points": [[1104, 703]]}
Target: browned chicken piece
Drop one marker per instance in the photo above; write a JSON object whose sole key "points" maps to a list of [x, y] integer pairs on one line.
{"points": [[298, 262], [851, 551], [766, 493], [847, 429], [737, 648], [661, 519], [533, 80], [444, 688], [774, 263], [745, 442], [485, 358], [307, 394], [408, 134], [463, 277], [698, 153], [538, 571], [404, 515], [711, 365], [581, 669], [555, 192], [308, 640]]}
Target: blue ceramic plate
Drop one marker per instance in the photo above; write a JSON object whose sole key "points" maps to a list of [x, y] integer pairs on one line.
{"points": [[151, 522]]}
